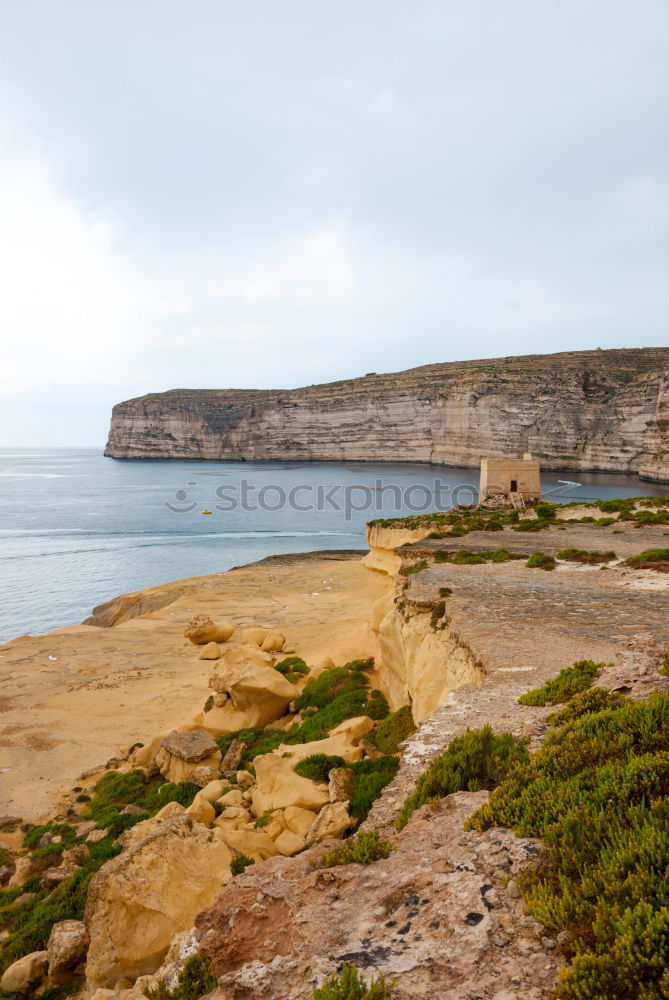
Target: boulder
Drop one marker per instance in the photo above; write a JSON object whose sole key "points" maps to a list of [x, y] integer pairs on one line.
{"points": [[202, 630], [254, 843], [66, 947], [289, 843], [204, 776], [354, 728], [331, 823], [244, 779], [298, 820], [339, 784], [214, 789], [95, 836], [254, 686], [145, 756], [19, 976], [21, 873], [232, 757], [233, 797], [181, 753], [273, 642], [254, 635], [201, 810], [53, 877], [277, 784], [212, 651], [139, 900], [221, 719]]}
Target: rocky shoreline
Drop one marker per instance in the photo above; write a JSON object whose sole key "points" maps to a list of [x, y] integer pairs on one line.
{"points": [[251, 719]]}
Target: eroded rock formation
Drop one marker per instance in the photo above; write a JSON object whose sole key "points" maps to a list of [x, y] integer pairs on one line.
{"points": [[606, 410]]}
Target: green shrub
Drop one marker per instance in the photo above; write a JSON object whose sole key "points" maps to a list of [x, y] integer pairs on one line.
{"points": [[478, 759], [416, 567], [539, 560], [67, 832], [347, 985], [585, 557], [363, 849], [376, 706], [114, 791], [366, 664], [239, 863], [195, 981], [664, 669], [369, 778], [596, 794], [330, 685], [209, 704], [394, 729], [570, 681], [292, 665], [264, 820], [545, 511], [318, 766], [585, 703], [650, 559]]}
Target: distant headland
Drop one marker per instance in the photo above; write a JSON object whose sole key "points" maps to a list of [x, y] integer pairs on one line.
{"points": [[601, 410]]}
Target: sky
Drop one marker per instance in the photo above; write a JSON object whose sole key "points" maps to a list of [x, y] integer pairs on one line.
{"points": [[208, 194]]}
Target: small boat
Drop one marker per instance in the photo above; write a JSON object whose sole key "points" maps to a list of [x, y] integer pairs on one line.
{"points": [[205, 512]]}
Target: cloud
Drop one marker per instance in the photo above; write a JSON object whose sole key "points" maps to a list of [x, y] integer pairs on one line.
{"points": [[92, 312]]}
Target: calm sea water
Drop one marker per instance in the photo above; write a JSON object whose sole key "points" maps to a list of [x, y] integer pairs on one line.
{"points": [[76, 529]]}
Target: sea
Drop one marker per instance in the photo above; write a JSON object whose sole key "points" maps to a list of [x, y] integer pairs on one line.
{"points": [[77, 528]]}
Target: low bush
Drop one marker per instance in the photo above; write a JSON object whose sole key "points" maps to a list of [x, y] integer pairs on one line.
{"points": [[570, 681], [585, 703], [376, 706], [239, 863], [596, 794], [478, 759], [539, 560], [209, 704], [657, 559], [585, 557], [318, 766], [546, 511], [416, 567], [360, 665], [195, 981], [369, 778], [347, 985], [329, 686], [363, 849], [114, 791], [394, 729], [292, 665]]}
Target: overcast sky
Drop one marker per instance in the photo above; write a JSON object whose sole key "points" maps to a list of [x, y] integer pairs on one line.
{"points": [[207, 193]]}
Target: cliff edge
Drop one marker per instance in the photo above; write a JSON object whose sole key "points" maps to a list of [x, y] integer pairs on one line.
{"points": [[594, 410]]}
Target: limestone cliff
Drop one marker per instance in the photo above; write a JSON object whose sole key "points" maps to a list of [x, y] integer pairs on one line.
{"points": [[604, 410]]}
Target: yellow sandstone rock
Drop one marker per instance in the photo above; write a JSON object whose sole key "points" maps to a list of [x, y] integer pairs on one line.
{"points": [[273, 642], [212, 651], [277, 784], [26, 970], [202, 630], [139, 900], [255, 688], [299, 820], [256, 635], [289, 843], [201, 810], [355, 728], [331, 823], [254, 843]]}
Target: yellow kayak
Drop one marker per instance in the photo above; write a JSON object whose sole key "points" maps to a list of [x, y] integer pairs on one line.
{"points": [[205, 512]]}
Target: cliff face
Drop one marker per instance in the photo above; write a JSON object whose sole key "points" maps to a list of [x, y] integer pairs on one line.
{"points": [[598, 410]]}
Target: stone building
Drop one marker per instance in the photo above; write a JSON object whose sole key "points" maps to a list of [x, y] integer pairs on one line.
{"points": [[511, 477]]}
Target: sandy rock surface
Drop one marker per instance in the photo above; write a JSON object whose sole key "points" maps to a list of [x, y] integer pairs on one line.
{"points": [[441, 915], [109, 688]]}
